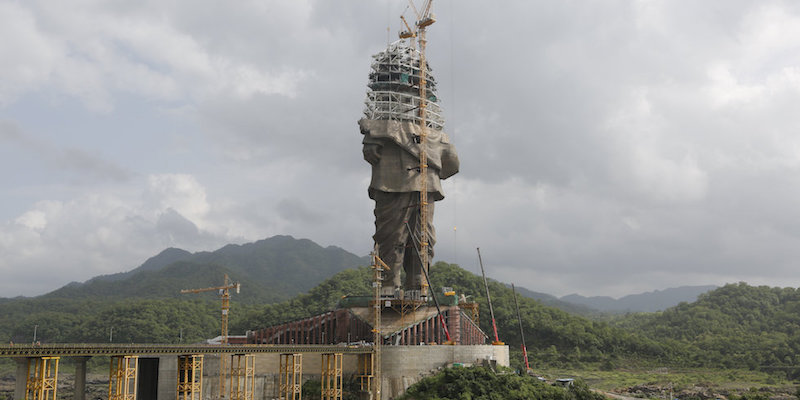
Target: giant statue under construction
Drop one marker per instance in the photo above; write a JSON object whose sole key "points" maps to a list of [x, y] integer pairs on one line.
{"points": [[409, 152], [405, 323]]}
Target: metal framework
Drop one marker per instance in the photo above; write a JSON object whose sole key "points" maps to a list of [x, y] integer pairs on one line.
{"points": [[190, 377], [332, 376], [122, 375], [243, 368], [291, 377], [365, 372], [407, 308], [472, 308], [42, 378], [395, 88]]}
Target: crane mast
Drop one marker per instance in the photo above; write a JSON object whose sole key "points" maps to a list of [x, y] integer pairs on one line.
{"points": [[423, 21], [225, 295]]}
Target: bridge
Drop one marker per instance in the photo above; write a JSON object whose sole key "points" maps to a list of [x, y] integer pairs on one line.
{"points": [[101, 349], [37, 369]]}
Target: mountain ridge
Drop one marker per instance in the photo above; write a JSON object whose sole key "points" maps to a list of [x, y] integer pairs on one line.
{"points": [[653, 301], [272, 269]]}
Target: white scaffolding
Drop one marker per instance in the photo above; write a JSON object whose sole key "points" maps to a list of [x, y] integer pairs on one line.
{"points": [[394, 92]]}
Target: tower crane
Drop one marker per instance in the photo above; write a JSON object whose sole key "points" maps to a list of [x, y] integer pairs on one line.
{"points": [[225, 294], [424, 19]]}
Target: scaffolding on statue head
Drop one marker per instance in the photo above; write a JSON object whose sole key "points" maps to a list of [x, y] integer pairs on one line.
{"points": [[395, 88]]}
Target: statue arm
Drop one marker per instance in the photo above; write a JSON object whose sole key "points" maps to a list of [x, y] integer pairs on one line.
{"points": [[450, 163], [372, 152]]}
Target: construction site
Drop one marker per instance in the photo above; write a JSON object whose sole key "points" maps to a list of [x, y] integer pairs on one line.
{"points": [[404, 331]]}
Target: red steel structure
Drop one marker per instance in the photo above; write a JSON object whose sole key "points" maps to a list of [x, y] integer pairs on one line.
{"points": [[352, 325]]}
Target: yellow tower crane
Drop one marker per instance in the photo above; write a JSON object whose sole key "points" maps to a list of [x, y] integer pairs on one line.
{"points": [[225, 294], [424, 19]]}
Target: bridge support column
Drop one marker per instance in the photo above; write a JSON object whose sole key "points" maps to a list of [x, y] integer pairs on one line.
{"points": [[80, 377], [365, 372], [122, 377], [42, 378], [21, 381], [243, 369], [291, 378], [331, 376], [190, 377]]}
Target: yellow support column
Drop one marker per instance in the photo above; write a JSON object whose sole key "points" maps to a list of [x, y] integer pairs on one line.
{"points": [[122, 377], [42, 378], [190, 377], [365, 369], [291, 378], [243, 383], [332, 376]]}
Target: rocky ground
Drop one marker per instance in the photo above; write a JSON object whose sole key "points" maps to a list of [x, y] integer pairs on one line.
{"points": [[96, 386], [703, 393]]}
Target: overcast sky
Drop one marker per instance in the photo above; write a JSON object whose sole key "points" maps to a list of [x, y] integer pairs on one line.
{"points": [[607, 147]]}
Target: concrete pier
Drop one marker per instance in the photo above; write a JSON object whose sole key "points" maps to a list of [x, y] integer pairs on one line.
{"points": [[21, 377], [80, 378]]}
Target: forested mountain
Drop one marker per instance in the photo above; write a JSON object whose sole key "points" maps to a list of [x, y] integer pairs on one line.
{"points": [[733, 326], [270, 270], [155, 263], [145, 304], [736, 325], [644, 302]]}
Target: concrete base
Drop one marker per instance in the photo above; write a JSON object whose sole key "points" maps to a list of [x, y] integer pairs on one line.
{"points": [[404, 366]]}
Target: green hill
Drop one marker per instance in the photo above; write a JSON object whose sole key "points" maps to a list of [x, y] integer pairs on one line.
{"points": [[553, 336], [735, 326], [483, 383]]}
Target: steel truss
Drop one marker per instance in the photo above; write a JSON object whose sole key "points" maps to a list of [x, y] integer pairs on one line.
{"points": [[42, 378], [243, 369], [291, 377], [366, 367], [332, 376], [122, 375], [190, 377]]}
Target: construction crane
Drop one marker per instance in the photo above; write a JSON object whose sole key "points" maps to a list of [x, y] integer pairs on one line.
{"points": [[497, 341], [424, 20], [521, 332], [225, 294]]}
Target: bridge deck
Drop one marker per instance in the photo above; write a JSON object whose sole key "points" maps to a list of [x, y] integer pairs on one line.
{"points": [[100, 349]]}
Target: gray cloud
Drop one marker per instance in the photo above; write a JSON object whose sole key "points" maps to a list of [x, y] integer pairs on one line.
{"points": [[606, 148], [83, 163]]}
